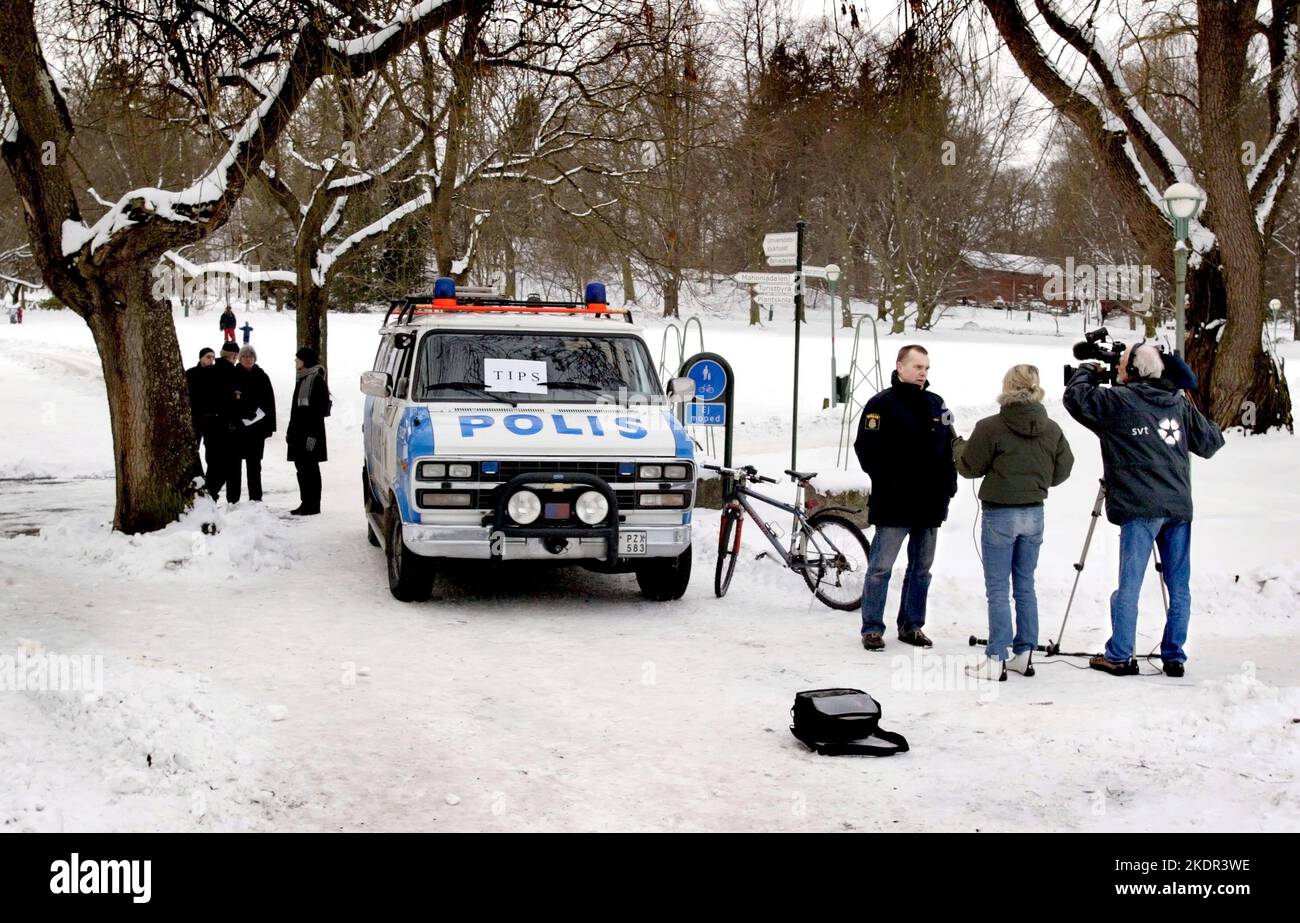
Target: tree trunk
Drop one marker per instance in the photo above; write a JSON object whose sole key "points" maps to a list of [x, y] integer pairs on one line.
{"points": [[510, 267], [1239, 384], [755, 312], [671, 287], [313, 314], [155, 453], [629, 283]]}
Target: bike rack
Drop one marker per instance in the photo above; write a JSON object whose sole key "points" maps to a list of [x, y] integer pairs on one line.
{"points": [[665, 372], [858, 375]]}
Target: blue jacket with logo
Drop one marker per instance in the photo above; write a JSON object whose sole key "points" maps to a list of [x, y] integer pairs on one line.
{"points": [[1147, 430]]}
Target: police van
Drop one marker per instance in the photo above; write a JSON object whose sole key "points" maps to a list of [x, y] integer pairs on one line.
{"points": [[504, 430]]}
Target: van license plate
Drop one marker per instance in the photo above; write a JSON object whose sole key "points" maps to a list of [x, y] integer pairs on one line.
{"points": [[631, 543]]}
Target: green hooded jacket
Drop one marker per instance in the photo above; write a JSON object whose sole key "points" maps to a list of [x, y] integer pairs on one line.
{"points": [[1020, 452]]}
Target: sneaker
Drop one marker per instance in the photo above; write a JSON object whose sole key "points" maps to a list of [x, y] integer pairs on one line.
{"points": [[873, 641], [1022, 664], [915, 637], [305, 511], [1173, 668], [989, 668], [1099, 662]]}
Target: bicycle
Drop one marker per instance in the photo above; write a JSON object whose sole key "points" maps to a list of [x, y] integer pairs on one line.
{"points": [[826, 547]]}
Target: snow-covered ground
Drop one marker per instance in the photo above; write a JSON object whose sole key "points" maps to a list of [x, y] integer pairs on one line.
{"points": [[264, 678]]}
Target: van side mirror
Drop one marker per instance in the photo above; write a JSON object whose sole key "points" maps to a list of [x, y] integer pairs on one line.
{"points": [[681, 390], [376, 384]]}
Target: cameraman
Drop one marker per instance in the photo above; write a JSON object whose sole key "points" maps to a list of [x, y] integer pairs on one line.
{"points": [[1147, 428]]}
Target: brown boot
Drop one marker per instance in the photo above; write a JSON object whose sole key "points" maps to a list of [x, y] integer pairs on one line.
{"points": [[873, 641]]}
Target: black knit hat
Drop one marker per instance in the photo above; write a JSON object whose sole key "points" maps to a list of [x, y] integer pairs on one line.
{"points": [[308, 356], [229, 348], [205, 351]]}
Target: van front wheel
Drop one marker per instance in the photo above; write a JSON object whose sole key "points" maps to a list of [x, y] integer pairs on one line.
{"points": [[664, 579], [410, 577]]}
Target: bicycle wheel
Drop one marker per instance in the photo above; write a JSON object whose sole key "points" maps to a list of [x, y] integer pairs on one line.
{"points": [[834, 553], [728, 548]]}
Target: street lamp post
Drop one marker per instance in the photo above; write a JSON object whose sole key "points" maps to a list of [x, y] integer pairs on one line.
{"points": [[1182, 202], [833, 276], [1275, 308]]}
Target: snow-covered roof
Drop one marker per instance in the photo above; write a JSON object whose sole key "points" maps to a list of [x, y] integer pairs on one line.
{"points": [[1006, 262]]}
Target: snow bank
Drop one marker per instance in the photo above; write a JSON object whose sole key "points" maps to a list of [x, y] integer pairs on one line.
{"points": [[155, 749], [249, 538]]}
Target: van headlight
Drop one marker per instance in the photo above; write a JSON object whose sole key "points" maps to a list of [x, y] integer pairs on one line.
{"points": [[460, 472], [650, 472], [524, 507], [676, 472], [430, 471], [592, 507]]}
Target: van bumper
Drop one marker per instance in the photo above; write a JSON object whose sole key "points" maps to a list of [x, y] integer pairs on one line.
{"points": [[477, 543]]}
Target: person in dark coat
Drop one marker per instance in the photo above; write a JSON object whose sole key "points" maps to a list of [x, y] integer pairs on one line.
{"points": [[255, 403], [1020, 453], [1148, 431], [220, 419], [197, 380], [306, 432], [904, 443], [227, 324]]}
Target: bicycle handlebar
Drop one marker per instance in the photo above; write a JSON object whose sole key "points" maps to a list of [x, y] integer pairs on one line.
{"points": [[744, 473]]}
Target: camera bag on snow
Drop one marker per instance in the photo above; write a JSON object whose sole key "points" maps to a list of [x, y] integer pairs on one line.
{"points": [[838, 722]]}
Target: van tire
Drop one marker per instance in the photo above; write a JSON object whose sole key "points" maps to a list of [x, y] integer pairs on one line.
{"points": [[665, 579], [371, 537], [410, 576]]}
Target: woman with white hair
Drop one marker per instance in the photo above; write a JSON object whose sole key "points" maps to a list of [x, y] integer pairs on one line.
{"points": [[1021, 453], [256, 403]]}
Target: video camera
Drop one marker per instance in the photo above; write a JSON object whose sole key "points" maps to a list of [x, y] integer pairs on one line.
{"points": [[1091, 349]]}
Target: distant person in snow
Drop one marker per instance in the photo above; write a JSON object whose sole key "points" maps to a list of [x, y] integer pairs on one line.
{"points": [[197, 380], [255, 409], [219, 427], [306, 432], [904, 443], [228, 325], [1020, 453], [1147, 429]]}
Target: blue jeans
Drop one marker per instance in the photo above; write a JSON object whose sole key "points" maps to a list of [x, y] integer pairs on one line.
{"points": [[1009, 543], [1174, 539], [886, 544]]}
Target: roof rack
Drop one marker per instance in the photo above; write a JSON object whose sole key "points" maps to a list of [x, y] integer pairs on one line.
{"points": [[477, 300]]}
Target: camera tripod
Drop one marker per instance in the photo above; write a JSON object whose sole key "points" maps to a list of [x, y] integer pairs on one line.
{"points": [[1053, 649]]}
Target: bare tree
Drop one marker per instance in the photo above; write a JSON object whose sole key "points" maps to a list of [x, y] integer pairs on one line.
{"points": [[1240, 383], [102, 270]]}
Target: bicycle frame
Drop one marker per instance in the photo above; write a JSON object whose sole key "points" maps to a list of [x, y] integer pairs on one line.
{"points": [[739, 495]]}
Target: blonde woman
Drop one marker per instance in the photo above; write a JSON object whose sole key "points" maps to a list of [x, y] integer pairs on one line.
{"points": [[1020, 452]]}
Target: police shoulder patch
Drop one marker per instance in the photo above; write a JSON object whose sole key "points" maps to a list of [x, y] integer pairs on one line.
{"points": [[873, 421]]}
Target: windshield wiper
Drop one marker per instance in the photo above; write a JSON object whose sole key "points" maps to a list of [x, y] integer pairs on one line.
{"points": [[470, 386]]}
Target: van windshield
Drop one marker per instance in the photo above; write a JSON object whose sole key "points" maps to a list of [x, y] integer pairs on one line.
{"points": [[535, 367]]}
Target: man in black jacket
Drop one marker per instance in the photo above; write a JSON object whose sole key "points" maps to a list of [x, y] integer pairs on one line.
{"points": [[220, 417], [198, 381], [306, 433], [904, 444], [1147, 429]]}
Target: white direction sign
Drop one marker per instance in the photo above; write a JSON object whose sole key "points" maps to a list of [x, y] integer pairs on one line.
{"points": [[781, 245], [760, 277], [814, 272], [774, 301], [786, 289]]}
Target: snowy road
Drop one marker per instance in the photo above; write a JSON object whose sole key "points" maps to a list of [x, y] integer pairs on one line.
{"points": [[264, 678]]}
